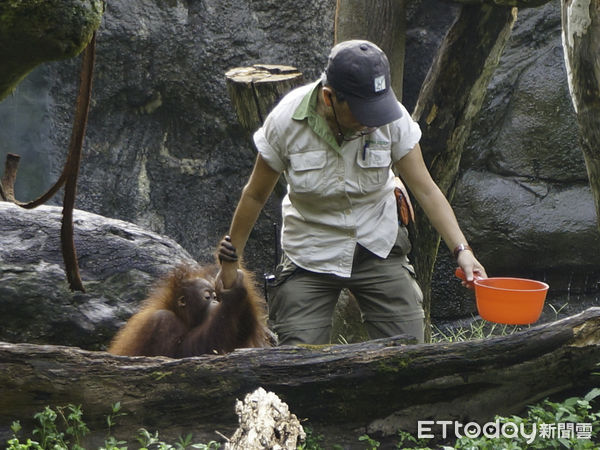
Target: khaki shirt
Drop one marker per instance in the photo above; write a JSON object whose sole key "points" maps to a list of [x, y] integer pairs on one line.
{"points": [[337, 196]]}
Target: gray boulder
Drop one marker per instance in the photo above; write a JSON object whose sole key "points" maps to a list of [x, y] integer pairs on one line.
{"points": [[119, 263], [525, 191]]}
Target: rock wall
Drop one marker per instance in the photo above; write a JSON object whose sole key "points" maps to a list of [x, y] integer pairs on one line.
{"points": [[163, 148], [119, 264]]}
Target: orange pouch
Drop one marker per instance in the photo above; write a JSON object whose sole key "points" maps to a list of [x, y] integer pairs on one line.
{"points": [[402, 206]]}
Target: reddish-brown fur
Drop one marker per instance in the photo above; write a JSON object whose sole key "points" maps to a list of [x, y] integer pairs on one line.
{"points": [[176, 320]]}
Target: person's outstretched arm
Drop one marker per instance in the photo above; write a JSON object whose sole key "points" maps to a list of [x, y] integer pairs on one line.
{"points": [[415, 174], [254, 196]]}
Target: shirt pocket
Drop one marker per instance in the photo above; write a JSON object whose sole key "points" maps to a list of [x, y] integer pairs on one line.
{"points": [[306, 172], [374, 163]]}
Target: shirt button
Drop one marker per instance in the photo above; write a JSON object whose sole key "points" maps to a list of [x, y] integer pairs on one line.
{"points": [[340, 178], [348, 212]]}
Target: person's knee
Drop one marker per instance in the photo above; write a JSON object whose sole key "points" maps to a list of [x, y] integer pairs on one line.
{"points": [[301, 310], [388, 328], [305, 336]]}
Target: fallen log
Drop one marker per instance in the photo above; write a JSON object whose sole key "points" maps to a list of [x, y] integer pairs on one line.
{"points": [[376, 386]]}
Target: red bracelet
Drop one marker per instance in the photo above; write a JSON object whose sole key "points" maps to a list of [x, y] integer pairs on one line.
{"points": [[459, 248]]}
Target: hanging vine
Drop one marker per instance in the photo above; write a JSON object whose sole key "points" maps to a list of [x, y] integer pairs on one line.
{"points": [[68, 177]]}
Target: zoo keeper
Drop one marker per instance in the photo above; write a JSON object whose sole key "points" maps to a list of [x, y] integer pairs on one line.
{"points": [[338, 141]]}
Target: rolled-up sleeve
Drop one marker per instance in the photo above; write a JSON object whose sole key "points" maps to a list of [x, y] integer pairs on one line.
{"points": [[406, 133], [267, 146]]}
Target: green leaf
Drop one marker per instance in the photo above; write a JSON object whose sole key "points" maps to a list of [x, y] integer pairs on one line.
{"points": [[592, 394]]}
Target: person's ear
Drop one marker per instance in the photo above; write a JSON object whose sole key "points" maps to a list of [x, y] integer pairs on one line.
{"points": [[328, 96]]}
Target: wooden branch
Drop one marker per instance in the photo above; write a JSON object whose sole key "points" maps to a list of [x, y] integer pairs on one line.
{"points": [[7, 183], [454, 89], [70, 171], [377, 385], [10, 176]]}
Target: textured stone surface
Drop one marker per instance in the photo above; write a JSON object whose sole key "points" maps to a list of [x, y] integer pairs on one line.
{"points": [[163, 147]]}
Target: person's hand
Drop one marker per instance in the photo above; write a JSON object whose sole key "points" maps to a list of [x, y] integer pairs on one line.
{"points": [[228, 258], [227, 251], [471, 267]]}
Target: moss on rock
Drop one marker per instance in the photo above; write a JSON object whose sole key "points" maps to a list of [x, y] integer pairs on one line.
{"points": [[35, 31]]}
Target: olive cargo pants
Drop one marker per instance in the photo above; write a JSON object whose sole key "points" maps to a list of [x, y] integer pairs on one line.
{"points": [[302, 302]]}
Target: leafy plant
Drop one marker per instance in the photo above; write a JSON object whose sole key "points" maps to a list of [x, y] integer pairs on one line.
{"points": [[146, 439], [68, 433], [569, 424], [14, 444], [49, 433], [111, 443], [312, 441], [372, 443], [557, 311], [407, 439], [114, 414]]}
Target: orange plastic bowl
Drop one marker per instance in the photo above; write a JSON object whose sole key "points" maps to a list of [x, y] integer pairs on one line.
{"points": [[513, 301]]}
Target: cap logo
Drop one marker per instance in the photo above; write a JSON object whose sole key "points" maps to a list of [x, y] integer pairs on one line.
{"points": [[380, 83]]}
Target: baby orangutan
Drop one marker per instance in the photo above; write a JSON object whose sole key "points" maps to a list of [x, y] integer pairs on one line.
{"points": [[188, 315]]}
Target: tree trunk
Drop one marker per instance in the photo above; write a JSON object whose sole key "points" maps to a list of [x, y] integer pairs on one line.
{"points": [[377, 386], [450, 98], [581, 44], [382, 22]]}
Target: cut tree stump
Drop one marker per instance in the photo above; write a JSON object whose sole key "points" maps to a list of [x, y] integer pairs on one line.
{"points": [[255, 90], [375, 386]]}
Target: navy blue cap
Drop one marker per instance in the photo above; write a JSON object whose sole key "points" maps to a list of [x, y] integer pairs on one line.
{"points": [[360, 71]]}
